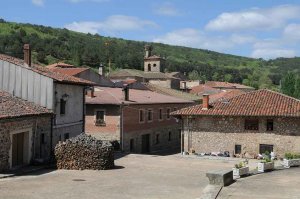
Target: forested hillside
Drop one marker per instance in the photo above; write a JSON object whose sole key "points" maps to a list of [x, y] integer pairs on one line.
{"points": [[52, 44]]}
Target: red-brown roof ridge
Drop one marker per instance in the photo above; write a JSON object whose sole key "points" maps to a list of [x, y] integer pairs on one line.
{"points": [[46, 72], [262, 102]]}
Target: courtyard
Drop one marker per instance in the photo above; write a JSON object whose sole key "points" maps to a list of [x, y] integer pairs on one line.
{"points": [[135, 176], [151, 177]]}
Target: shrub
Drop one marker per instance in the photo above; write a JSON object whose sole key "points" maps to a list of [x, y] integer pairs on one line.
{"points": [[240, 165], [290, 156]]}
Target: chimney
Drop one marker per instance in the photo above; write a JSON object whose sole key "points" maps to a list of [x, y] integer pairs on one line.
{"points": [[126, 93], [27, 54], [90, 92], [205, 102]]}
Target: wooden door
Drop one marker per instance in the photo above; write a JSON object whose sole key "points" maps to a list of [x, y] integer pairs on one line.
{"points": [[146, 143], [17, 149]]}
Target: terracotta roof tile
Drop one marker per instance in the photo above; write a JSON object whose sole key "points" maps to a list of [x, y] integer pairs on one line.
{"points": [[106, 95], [216, 84], [255, 103], [46, 72], [173, 92], [225, 95], [204, 89], [15, 107], [69, 71], [60, 65]]}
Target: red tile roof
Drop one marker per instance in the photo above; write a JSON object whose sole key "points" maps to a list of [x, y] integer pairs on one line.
{"points": [[201, 89], [15, 107], [216, 84], [46, 72], [60, 65], [106, 95], [225, 95], [255, 103], [69, 71]]}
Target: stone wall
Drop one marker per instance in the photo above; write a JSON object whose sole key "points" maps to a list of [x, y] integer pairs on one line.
{"points": [[59, 132], [38, 126], [212, 134]]}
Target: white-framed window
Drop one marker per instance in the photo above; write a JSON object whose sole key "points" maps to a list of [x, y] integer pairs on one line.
{"points": [[141, 116], [150, 115], [168, 113], [160, 114]]}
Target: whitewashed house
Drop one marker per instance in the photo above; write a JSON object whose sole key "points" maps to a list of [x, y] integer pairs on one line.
{"points": [[63, 94]]}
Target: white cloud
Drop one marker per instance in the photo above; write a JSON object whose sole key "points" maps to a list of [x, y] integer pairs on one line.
{"points": [[242, 39], [254, 19], [167, 9], [112, 24], [95, 1], [292, 32], [38, 2], [197, 39], [271, 53]]}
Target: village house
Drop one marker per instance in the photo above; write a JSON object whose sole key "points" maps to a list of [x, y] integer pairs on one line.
{"points": [[82, 72], [154, 67], [62, 94], [25, 132], [246, 125], [139, 120]]}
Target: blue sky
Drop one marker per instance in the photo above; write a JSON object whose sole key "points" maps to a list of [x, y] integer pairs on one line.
{"points": [[252, 28]]}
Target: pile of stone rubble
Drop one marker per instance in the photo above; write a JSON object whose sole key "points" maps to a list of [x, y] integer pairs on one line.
{"points": [[84, 152]]}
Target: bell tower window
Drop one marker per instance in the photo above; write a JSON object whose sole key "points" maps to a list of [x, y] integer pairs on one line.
{"points": [[149, 67]]}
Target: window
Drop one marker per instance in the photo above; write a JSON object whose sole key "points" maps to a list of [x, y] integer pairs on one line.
{"points": [[150, 115], [142, 119], [270, 125], [174, 109], [157, 139], [100, 115], [168, 113], [149, 67], [66, 136], [62, 106], [100, 118], [238, 149], [160, 114], [154, 65], [131, 145], [251, 124], [265, 147]]}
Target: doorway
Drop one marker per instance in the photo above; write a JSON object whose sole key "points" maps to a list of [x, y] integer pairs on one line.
{"points": [[20, 148], [146, 143], [17, 149]]}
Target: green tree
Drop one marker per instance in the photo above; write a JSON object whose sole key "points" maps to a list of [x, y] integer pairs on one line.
{"points": [[297, 88], [288, 84], [194, 75]]}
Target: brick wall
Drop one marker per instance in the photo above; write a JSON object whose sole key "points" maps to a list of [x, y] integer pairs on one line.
{"points": [[133, 128], [37, 125], [111, 131], [211, 134]]}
